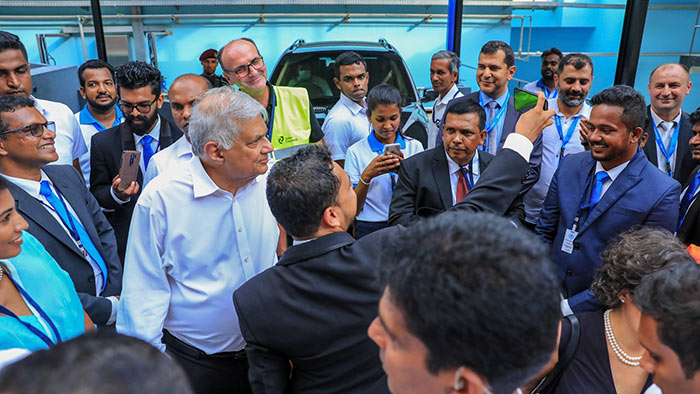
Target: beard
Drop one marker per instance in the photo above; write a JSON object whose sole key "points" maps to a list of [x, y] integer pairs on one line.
{"points": [[102, 107], [548, 75], [572, 99], [141, 128]]}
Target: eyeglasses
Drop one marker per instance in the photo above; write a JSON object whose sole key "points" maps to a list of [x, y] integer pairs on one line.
{"points": [[36, 129], [244, 70], [143, 108]]}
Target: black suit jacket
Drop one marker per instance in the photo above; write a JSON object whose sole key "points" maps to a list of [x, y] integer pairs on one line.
{"points": [[684, 160], [105, 158], [423, 188], [689, 232], [511, 119], [313, 308], [61, 247]]}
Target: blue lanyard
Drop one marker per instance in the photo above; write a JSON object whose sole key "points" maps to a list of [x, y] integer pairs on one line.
{"points": [[41, 312], [494, 123], [582, 204], [547, 93], [668, 153], [273, 99], [468, 177], [565, 139], [438, 121]]}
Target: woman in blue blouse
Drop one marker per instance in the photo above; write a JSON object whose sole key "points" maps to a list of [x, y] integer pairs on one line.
{"points": [[38, 303]]}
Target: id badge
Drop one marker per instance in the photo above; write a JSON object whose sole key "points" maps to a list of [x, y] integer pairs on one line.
{"points": [[568, 245]]}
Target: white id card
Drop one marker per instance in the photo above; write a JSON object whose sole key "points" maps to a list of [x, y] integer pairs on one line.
{"points": [[568, 245]]}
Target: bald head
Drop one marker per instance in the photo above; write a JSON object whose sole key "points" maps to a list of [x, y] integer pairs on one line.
{"points": [[183, 92], [243, 66], [668, 85]]}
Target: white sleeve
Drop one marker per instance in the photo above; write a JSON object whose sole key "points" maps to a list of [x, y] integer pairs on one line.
{"points": [[79, 148], [335, 137], [145, 293], [352, 167], [520, 144], [151, 172]]}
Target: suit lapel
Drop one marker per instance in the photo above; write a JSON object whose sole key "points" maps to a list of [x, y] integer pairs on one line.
{"points": [[509, 122], [166, 135], [684, 135], [441, 172], [650, 147]]}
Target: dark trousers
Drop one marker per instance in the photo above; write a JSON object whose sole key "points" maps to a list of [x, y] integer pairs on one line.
{"points": [[363, 228], [220, 373]]}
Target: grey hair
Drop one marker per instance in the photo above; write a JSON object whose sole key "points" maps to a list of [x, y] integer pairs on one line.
{"points": [[217, 116], [454, 59]]}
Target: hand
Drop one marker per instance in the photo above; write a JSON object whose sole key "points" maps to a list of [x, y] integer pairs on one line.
{"points": [[585, 131], [532, 122], [126, 193], [382, 164]]}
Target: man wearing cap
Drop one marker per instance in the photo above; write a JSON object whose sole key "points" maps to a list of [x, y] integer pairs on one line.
{"points": [[209, 64]]}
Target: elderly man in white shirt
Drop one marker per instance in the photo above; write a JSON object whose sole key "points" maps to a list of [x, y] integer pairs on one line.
{"points": [[444, 74], [196, 235], [183, 92], [347, 121]]}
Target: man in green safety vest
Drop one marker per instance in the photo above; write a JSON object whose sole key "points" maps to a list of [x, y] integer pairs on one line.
{"points": [[290, 117]]}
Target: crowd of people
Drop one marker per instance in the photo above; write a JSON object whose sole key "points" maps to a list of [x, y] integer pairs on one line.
{"points": [[539, 251]]}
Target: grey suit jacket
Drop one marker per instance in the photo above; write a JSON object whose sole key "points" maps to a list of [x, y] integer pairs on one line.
{"points": [[61, 247]]}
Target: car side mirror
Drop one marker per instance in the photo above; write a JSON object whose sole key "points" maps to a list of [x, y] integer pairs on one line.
{"points": [[429, 94]]}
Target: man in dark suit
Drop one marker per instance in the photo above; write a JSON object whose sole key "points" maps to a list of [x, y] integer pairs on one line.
{"points": [[305, 319], [689, 214], [596, 195], [496, 66], [144, 130], [434, 180], [61, 213], [668, 85]]}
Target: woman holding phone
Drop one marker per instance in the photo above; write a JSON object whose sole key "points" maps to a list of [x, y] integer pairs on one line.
{"points": [[39, 306], [372, 162]]}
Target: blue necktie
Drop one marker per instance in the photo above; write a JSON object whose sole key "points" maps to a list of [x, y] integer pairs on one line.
{"points": [[147, 149], [600, 178], [74, 226], [688, 197]]}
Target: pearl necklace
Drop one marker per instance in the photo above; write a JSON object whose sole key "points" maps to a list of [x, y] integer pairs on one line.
{"points": [[624, 357], [1, 272]]}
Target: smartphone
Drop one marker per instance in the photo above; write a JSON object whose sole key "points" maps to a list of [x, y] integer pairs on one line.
{"points": [[392, 148], [129, 168], [525, 100]]}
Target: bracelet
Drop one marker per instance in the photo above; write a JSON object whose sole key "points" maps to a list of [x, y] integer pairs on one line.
{"points": [[362, 180]]}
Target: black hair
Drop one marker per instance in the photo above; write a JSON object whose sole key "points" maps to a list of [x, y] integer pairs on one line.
{"points": [[634, 109], [137, 74], [383, 94], [672, 298], [3, 184], [96, 363], [478, 293], [454, 63], [577, 60], [94, 63], [11, 104], [463, 105], [695, 117], [10, 41], [492, 47], [552, 51], [300, 188], [346, 59]]}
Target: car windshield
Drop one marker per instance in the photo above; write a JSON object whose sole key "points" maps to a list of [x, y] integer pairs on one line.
{"points": [[314, 71]]}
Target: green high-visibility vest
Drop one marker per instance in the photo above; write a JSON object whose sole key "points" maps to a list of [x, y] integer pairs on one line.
{"points": [[290, 118]]}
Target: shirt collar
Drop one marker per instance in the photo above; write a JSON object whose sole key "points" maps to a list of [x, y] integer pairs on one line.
{"points": [[658, 120], [155, 133], [449, 96], [86, 117], [38, 106], [354, 107], [30, 186], [203, 185], [486, 99], [554, 103], [613, 172], [454, 167], [378, 147], [183, 147]]}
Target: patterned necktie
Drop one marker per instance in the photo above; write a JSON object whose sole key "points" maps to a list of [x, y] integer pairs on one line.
{"points": [[462, 189], [493, 134], [147, 149], [600, 178]]}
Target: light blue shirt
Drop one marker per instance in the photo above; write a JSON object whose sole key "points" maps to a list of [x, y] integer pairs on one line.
{"points": [[539, 86], [51, 288], [345, 124], [497, 131], [174, 156]]}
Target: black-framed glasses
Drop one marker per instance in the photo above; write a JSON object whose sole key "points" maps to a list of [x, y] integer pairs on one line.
{"points": [[143, 108], [244, 70], [36, 129]]}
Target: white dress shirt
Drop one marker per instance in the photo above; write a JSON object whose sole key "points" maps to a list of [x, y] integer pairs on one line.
{"points": [[438, 110], [89, 126], [454, 170], [613, 173], [666, 130], [551, 150], [69, 141], [175, 155], [191, 245], [345, 124]]}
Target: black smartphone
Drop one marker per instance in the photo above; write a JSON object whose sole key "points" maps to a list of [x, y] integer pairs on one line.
{"points": [[525, 100]]}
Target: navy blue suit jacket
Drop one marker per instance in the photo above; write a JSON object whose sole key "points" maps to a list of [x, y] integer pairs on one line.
{"points": [[641, 195]]}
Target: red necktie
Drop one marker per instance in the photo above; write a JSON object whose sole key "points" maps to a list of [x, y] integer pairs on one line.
{"points": [[462, 189]]}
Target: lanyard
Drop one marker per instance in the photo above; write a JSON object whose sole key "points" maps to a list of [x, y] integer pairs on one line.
{"points": [[41, 312], [438, 121], [547, 93], [494, 123], [273, 99], [468, 177], [582, 204], [565, 139], [668, 153], [70, 225]]}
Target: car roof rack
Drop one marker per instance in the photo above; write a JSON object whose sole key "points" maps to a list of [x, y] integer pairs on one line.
{"points": [[299, 42]]}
